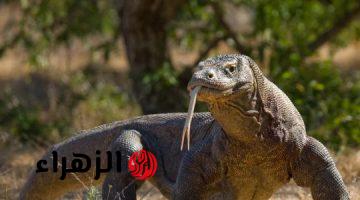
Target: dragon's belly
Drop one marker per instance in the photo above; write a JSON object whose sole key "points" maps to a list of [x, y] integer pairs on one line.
{"points": [[257, 181], [254, 171]]}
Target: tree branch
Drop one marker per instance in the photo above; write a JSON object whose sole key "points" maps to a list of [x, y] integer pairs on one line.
{"points": [[338, 26]]}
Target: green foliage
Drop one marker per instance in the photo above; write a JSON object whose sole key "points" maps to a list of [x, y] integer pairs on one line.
{"points": [[101, 100], [163, 84], [290, 28], [92, 97], [329, 104], [25, 122], [195, 24], [162, 77], [47, 23], [93, 193]]}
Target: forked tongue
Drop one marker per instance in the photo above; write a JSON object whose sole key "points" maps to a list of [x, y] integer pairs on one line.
{"points": [[186, 130]]}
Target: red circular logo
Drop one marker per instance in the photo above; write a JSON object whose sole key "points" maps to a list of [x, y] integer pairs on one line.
{"points": [[142, 165]]}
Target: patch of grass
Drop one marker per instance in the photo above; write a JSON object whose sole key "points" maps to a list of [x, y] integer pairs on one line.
{"points": [[93, 193]]}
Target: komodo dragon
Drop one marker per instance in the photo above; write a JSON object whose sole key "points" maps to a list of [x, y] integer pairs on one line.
{"points": [[251, 143]]}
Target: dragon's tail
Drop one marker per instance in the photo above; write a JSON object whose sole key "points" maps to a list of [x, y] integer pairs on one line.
{"points": [[48, 184]]}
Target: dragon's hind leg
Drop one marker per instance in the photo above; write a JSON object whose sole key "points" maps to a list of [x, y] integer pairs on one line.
{"points": [[121, 185]]}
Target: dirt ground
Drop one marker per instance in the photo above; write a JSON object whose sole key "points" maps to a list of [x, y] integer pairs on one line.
{"points": [[16, 161]]}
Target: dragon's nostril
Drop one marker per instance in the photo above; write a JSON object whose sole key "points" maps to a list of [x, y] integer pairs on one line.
{"points": [[210, 75]]}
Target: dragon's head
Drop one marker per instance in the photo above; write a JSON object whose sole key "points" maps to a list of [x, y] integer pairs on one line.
{"points": [[223, 78], [225, 83]]}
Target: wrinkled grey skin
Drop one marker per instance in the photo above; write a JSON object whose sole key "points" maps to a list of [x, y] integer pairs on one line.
{"points": [[251, 143]]}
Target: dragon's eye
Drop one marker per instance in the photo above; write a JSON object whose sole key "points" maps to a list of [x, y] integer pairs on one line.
{"points": [[231, 68]]}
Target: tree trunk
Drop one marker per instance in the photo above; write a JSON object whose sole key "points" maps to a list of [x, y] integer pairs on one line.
{"points": [[143, 26]]}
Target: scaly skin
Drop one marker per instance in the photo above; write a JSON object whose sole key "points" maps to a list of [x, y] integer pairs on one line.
{"points": [[251, 143]]}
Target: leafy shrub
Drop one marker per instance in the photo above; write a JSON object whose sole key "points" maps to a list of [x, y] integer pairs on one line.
{"points": [[329, 103]]}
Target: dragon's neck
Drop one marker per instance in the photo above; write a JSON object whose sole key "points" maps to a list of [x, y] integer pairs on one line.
{"points": [[239, 116]]}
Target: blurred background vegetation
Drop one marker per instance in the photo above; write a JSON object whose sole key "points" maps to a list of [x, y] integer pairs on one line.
{"points": [[69, 65]]}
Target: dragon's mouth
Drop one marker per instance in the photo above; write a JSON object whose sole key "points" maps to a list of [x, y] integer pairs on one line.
{"points": [[209, 86], [210, 90]]}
